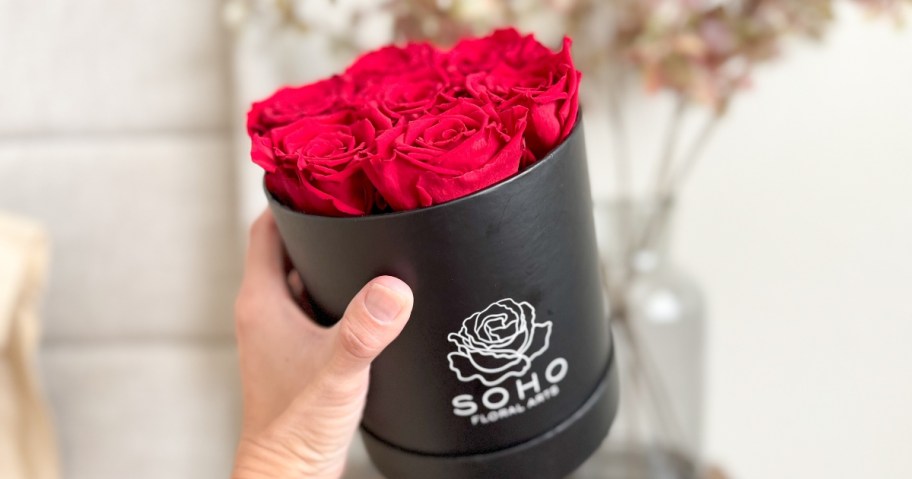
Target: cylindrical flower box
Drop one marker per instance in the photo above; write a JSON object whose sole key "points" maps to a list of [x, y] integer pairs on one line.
{"points": [[506, 366]]}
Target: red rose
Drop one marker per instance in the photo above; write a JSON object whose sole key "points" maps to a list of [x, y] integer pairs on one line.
{"points": [[402, 82], [318, 164], [411, 61], [438, 157], [546, 83], [551, 92], [288, 105], [291, 103], [415, 124], [407, 98], [505, 46]]}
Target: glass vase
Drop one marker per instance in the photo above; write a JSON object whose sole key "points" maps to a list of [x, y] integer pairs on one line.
{"points": [[658, 324]]}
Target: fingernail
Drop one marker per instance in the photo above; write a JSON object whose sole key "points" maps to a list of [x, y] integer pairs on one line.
{"points": [[382, 303]]}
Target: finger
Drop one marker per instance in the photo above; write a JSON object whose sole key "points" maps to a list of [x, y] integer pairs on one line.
{"points": [[264, 267], [373, 319]]}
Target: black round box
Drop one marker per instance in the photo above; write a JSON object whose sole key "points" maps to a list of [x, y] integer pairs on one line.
{"points": [[505, 369]]}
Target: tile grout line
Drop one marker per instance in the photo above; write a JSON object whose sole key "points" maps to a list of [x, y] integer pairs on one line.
{"points": [[64, 342], [221, 133]]}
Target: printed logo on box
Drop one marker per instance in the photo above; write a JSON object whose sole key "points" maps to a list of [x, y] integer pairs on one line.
{"points": [[497, 344]]}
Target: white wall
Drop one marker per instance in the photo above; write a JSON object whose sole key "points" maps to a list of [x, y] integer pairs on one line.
{"points": [[799, 225]]}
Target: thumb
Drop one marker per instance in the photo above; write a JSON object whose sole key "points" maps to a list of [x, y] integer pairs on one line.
{"points": [[373, 319]]}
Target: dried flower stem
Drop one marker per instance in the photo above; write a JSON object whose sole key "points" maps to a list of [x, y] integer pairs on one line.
{"points": [[657, 219], [670, 143], [624, 179], [693, 154]]}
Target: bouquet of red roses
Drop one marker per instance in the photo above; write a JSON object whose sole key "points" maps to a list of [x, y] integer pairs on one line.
{"points": [[414, 126], [477, 157]]}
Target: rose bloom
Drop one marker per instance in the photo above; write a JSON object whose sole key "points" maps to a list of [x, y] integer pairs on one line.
{"points": [[408, 99], [402, 82], [505, 46], [415, 124], [413, 63], [527, 74], [439, 157], [292, 103], [317, 165]]}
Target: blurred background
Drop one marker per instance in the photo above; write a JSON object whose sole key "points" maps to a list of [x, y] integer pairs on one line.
{"points": [[779, 338]]}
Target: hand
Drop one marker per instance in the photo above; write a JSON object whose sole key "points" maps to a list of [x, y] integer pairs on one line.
{"points": [[304, 385]]}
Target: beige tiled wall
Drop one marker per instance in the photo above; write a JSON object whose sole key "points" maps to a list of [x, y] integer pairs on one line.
{"points": [[112, 66], [144, 411], [113, 133], [142, 230]]}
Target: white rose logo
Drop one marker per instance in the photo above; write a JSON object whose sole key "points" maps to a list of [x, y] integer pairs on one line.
{"points": [[498, 343]]}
